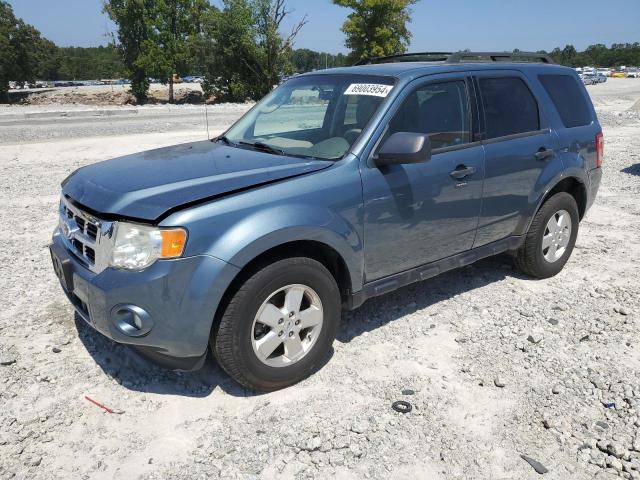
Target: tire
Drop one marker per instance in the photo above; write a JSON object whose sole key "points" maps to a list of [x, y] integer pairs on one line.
{"points": [[235, 340], [531, 258]]}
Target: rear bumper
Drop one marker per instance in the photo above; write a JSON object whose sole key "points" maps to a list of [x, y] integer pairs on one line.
{"points": [[595, 177], [176, 301]]}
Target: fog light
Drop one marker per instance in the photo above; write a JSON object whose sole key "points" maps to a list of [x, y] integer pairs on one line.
{"points": [[131, 320]]}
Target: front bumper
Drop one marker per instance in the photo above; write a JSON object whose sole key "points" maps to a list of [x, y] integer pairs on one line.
{"points": [[180, 298]]}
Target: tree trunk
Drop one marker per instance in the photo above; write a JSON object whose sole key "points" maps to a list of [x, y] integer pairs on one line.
{"points": [[171, 89]]}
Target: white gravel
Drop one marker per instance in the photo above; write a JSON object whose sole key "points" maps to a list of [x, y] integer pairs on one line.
{"points": [[496, 365]]}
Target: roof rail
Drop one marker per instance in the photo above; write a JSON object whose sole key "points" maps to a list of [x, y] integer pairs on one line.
{"points": [[459, 57]]}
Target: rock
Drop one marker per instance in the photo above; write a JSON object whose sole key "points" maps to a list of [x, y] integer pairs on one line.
{"points": [[56, 350], [553, 321], [408, 391], [616, 449], [359, 426], [536, 465], [336, 459], [35, 461], [7, 360], [614, 463], [623, 311], [550, 423], [500, 382], [313, 444], [636, 443], [557, 389], [535, 338]]}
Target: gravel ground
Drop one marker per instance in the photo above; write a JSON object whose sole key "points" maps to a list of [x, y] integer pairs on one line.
{"points": [[496, 365]]}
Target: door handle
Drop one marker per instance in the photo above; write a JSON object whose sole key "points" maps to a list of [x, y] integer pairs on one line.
{"points": [[544, 153], [462, 171]]}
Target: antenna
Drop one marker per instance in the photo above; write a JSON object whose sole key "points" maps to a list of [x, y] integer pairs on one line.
{"points": [[206, 113]]}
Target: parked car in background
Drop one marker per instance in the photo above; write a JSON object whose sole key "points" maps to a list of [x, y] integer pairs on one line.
{"points": [[619, 74], [192, 79], [338, 186], [633, 72], [588, 79]]}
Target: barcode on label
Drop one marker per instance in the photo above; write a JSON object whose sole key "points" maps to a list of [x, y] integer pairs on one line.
{"points": [[375, 89]]}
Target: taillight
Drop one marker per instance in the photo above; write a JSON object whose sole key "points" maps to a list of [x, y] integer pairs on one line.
{"points": [[599, 149]]}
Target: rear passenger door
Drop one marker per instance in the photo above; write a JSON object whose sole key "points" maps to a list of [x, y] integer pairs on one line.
{"points": [[518, 144]]}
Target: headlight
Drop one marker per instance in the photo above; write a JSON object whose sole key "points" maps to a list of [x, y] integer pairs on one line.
{"points": [[138, 246]]}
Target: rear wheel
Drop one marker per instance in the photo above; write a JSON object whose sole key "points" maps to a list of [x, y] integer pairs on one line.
{"points": [[279, 326], [551, 237]]}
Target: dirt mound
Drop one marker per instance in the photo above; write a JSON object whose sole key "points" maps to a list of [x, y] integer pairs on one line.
{"points": [[107, 95], [78, 96]]}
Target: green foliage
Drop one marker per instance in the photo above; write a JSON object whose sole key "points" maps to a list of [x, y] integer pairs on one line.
{"points": [[134, 29], [155, 38], [247, 54], [167, 50], [376, 27], [22, 50], [619, 54], [93, 63], [232, 49], [305, 60]]}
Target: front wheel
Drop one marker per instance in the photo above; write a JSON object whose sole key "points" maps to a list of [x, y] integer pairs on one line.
{"points": [[279, 326], [551, 237]]}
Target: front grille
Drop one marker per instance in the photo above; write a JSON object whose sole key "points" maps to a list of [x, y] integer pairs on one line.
{"points": [[87, 237], [90, 253]]}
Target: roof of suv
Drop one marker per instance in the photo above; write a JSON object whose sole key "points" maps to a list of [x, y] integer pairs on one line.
{"points": [[409, 69]]}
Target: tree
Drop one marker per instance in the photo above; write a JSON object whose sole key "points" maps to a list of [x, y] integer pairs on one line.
{"points": [[376, 27], [305, 60], [22, 49], [166, 51], [247, 54], [134, 29], [275, 50]]}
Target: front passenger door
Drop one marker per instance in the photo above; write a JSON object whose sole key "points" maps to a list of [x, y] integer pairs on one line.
{"points": [[422, 212]]}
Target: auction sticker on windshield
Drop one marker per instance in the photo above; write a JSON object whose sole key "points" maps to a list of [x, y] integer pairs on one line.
{"points": [[375, 89]]}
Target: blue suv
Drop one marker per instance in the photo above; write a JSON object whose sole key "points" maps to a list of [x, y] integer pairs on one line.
{"points": [[338, 186]]}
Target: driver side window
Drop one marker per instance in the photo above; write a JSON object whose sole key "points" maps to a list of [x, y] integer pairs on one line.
{"points": [[439, 110]]}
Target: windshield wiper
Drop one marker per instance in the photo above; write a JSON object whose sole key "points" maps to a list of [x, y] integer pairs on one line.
{"points": [[223, 139], [263, 147]]}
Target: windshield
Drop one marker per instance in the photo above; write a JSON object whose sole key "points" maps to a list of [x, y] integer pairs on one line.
{"points": [[318, 116]]}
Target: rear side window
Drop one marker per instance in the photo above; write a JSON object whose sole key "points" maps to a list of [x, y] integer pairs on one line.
{"points": [[568, 99], [509, 107]]}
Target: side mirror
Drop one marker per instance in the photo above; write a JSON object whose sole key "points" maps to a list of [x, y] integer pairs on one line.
{"points": [[404, 147]]}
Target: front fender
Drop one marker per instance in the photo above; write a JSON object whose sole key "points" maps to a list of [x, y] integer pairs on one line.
{"points": [[324, 207], [275, 226]]}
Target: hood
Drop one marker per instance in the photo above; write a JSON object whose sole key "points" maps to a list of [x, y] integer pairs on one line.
{"points": [[148, 184]]}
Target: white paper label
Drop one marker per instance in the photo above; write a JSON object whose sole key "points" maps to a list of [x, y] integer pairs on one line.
{"points": [[374, 89]]}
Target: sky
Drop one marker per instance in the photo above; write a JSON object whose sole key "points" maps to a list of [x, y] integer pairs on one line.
{"points": [[437, 25]]}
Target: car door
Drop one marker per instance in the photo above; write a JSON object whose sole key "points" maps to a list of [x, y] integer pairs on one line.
{"points": [[418, 213], [518, 145]]}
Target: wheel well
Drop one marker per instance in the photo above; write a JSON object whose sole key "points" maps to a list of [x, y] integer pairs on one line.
{"points": [[318, 251], [576, 189]]}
